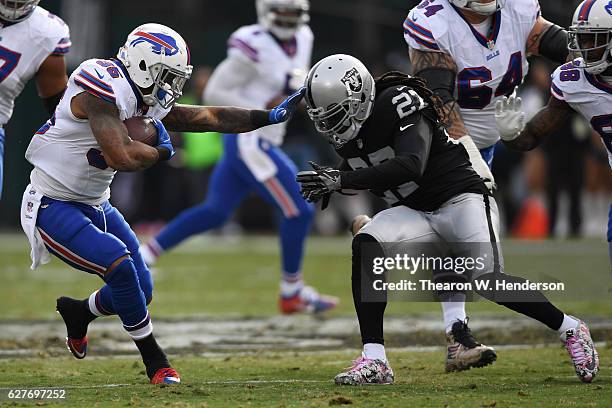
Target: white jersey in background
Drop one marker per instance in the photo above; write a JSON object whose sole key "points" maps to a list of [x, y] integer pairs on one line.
{"points": [[588, 95], [488, 68], [270, 67], [24, 46], [68, 162]]}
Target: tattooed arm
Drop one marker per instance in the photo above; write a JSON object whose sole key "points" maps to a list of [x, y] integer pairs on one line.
{"points": [[120, 152], [422, 60], [548, 40], [191, 118], [545, 122]]}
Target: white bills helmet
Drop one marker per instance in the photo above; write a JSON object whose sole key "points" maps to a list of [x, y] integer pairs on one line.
{"points": [[15, 11], [283, 18], [591, 34], [340, 93], [157, 59], [476, 6]]}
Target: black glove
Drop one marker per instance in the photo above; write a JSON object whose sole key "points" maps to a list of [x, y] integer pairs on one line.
{"points": [[319, 184]]}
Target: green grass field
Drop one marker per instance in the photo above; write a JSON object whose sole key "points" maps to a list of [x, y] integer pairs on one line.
{"points": [[220, 279], [533, 378]]}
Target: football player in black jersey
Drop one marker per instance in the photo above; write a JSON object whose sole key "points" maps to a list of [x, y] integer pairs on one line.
{"points": [[393, 143]]}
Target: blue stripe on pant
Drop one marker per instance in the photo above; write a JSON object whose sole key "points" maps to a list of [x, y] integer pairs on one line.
{"points": [[91, 239], [230, 183]]}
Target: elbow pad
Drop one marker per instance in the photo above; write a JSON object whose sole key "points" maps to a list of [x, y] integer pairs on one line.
{"points": [[553, 44], [441, 81]]}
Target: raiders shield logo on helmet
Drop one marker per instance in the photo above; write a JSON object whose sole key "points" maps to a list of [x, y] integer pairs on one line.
{"points": [[353, 80]]}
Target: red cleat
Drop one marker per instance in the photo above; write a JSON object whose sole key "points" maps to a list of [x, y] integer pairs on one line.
{"points": [[78, 347], [308, 300], [166, 376]]}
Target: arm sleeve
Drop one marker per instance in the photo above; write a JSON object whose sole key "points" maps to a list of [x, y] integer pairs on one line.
{"points": [[224, 86], [412, 147]]}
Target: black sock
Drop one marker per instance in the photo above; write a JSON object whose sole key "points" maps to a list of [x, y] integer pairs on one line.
{"points": [[153, 356], [76, 315], [370, 305], [531, 303]]}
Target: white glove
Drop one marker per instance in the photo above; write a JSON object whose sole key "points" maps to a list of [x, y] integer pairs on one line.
{"points": [[509, 117], [478, 164]]}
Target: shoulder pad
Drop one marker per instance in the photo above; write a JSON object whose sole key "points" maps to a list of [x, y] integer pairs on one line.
{"points": [[524, 11], [50, 31], [306, 32], [424, 30], [398, 103], [567, 79], [246, 41], [100, 78]]}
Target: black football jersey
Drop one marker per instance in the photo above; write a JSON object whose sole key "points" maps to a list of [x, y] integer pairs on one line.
{"points": [[393, 124]]}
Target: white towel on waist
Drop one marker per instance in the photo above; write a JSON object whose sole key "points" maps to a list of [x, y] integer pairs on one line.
{"points": [[29, 213], [255, 157]]}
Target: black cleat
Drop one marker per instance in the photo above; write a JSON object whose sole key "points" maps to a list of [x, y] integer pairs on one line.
{"points": [[77, 317]]}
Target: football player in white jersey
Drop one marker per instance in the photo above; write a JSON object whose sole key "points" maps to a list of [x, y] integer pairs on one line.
{"points": [[33, 43], [265, 62], [583, 85], [472, 53], [65, 209]]}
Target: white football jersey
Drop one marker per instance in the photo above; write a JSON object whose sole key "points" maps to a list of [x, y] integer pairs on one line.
{"points": [[275, 64], [68, 161], [23, 48], [588, 95], [488, 68]]}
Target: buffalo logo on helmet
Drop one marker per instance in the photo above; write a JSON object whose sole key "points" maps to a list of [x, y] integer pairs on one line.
{"points": [[353, 80], [159, 42]]}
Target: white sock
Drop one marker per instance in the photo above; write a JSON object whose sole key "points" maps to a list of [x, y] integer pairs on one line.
{"points": [[374, 351], [290, 288], [452, 312], [568, 323], [148, 252]]}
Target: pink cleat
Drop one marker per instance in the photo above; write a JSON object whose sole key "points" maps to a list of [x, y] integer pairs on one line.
{"points": [[366, 371], [581, 349]]}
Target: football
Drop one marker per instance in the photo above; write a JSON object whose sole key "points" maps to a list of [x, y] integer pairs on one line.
{"points": [[142, 129]]}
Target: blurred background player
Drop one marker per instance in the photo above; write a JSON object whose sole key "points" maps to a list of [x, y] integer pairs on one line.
{"points": [[472, 53], [33, 43], [392, 142], [583, 85], [65, 209], [265, 62]]}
